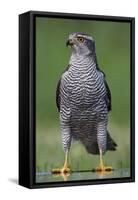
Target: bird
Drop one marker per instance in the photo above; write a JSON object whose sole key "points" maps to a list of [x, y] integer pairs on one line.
{"points": [[83, 99]]}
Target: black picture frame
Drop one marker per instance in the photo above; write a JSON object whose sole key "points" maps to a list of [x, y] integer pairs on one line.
{"points": [[27, 98]]}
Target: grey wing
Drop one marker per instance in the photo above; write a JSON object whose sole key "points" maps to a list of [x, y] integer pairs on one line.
{"points": [[58, 98], [108, 96], [58, 95], [108, 92]]}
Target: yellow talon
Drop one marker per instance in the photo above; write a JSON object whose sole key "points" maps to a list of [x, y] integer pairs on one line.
{"points": [[56, 171], [65, 169], [104, 169], [63, 172], [101, 169]]}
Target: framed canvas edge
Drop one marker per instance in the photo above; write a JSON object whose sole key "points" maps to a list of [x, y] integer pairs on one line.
{"points": [[24, 157], [32, 184]]}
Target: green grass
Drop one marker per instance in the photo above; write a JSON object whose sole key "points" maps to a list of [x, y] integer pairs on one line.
{"points": [[50, 153]]}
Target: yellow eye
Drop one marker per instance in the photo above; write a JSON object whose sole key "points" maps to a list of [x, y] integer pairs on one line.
{"points": [[80, 39]]}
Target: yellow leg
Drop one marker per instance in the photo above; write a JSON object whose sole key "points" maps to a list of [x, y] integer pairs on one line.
{"points": [[101, 168], [65, 168]]}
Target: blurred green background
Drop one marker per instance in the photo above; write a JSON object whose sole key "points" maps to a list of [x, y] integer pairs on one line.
{"points": [[52, 57]]}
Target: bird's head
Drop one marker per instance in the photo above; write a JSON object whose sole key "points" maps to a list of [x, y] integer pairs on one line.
{"points": [[81, 43]]}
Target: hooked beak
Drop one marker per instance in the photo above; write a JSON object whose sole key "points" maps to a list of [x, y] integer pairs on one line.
{"points": [[69, 43]]}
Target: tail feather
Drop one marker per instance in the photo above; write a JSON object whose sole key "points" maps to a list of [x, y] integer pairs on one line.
{"points": [[111, 145], [93, 147]]}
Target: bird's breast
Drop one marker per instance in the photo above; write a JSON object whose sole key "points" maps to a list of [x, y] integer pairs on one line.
{"points": [[84, 89]]}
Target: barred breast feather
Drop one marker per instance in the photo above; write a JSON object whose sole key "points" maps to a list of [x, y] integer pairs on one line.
{"points": [[83, 99]]}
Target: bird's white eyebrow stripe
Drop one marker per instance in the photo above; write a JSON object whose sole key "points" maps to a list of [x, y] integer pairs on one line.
{"points": [[84, 36]]}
